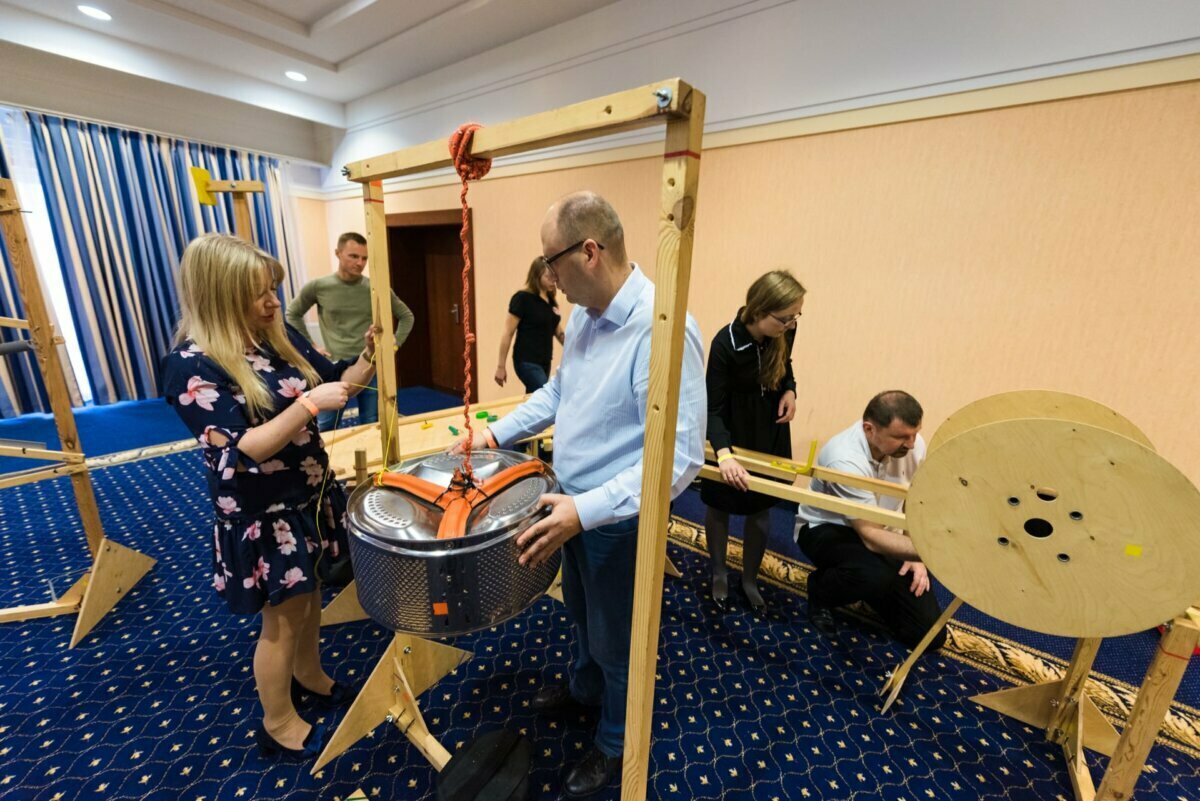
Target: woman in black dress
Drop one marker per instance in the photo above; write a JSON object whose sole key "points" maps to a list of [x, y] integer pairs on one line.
{"points": [[250, 389], [533, 316], [751, 401]]}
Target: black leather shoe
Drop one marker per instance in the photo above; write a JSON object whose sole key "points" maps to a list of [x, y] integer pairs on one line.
{"points": [[268, 746], [593, 773], [822, 619], [339, 695], [556, 699]]}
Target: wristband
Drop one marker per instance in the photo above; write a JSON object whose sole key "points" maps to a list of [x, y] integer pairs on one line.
{"points": [[725, 458], [368, 359], [308, 405], [490, 438]]}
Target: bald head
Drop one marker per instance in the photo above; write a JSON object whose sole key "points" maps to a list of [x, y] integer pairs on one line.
{"points": [[586, 215]]}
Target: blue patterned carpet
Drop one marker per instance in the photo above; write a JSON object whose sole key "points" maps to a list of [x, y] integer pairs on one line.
{"points": [[159, 702]]}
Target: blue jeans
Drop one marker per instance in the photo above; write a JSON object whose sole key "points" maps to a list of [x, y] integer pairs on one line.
{"points": [[533, 376], [368, 407], [597, 588]]}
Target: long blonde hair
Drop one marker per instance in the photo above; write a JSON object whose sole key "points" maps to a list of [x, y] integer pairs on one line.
{"points": [[220, 277], [770, 292]]}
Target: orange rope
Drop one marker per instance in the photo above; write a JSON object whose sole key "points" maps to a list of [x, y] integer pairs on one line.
{"points": [[469, 168]]}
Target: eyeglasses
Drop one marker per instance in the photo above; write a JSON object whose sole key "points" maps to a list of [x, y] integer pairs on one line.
{"points": [[785, 320], [549, 260]]}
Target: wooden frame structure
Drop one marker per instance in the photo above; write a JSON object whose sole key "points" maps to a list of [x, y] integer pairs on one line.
{"points": [[206, 187], [1068, 716], [115, 568], [681, 107]]}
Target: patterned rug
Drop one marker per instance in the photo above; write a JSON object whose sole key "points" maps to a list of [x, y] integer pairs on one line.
{"points": [[159, 702]]}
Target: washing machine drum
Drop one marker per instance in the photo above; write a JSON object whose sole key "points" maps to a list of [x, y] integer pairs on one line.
{"points": [[434, 558]]}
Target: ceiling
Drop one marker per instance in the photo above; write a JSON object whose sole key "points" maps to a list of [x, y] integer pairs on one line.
{"points": [[241, 49]]}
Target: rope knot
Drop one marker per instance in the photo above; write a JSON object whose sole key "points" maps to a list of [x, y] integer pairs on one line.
{"points": [[468, 167]]}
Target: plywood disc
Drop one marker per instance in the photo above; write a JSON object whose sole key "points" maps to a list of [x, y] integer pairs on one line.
{"points": [[1041, 403], [1058, 527]]}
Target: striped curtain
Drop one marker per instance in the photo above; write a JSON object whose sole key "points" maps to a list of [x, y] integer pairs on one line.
{"points": [[21, 387], [122, 207]]}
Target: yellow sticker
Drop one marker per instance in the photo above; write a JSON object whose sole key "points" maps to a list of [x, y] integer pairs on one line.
{"points": [[1133, 550]]}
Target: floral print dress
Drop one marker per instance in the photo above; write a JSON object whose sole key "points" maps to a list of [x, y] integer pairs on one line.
{"points": [[279, 524]]}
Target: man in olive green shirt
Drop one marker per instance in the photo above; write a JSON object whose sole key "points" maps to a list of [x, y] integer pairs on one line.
{"points": [[344, 312]]}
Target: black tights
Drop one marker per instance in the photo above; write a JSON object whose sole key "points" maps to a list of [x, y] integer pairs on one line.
{"points": [[754, 545]]}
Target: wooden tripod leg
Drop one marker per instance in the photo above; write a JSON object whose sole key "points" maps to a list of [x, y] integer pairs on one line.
{"points": [[344, 608], [896, 681], [1153, 700], [1052, 705], [114, 573], [407, 668], [1072, 746]]}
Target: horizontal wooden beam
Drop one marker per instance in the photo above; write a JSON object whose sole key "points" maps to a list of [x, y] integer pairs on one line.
{"points": [[13, 322], [802, 495], [235, 186], [22, 452], [8, 196], [67, 604], [39, 474], [765, 464], [622, 111]]}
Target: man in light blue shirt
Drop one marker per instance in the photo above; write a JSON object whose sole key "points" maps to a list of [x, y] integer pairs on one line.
{"points": [[597, 404]]}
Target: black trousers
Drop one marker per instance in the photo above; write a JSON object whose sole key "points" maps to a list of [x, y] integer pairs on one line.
{"points": [[848, 572]]}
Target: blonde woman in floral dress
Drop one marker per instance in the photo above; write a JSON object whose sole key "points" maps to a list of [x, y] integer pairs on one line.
{"points": [[250, 389]]}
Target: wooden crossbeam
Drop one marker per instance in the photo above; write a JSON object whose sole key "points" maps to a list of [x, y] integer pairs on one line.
{"points": [[620, 111]]}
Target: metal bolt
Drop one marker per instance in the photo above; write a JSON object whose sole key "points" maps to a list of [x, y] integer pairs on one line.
{"points": [[1054, 703], [664, 96], [408, 649], [389, 718], [345, 172]]}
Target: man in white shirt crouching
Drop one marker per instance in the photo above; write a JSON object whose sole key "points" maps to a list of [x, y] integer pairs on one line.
{"points": [[857, 560]]}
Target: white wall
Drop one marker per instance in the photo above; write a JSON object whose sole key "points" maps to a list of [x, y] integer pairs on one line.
{"points": [[769, 60]]}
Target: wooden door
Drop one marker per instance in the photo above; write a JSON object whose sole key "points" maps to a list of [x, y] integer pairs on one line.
{"points": [[443, 281], [426, 266]]}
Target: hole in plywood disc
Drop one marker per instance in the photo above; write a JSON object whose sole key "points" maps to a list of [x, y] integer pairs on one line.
{"points": [[1046, 494], [1064, 557], [1014, 501], [1002, 540], [1039, 528], [1076, 516]]}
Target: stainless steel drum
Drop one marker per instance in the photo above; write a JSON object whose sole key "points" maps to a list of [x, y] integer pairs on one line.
{"points": [[411, 581]]}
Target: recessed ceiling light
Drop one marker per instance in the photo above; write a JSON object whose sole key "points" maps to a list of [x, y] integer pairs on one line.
{"points": [[95, 13], [296, 76]]}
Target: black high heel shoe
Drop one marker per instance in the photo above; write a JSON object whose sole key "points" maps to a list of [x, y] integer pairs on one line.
{"points": [[339, 695], [268, 746], [720, 593]]}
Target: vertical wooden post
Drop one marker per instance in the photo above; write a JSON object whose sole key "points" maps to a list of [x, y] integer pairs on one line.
{"points": [[1153, 700], [381, 304], [1070, 695], [41, 331], [241, 217], [677, 221]]}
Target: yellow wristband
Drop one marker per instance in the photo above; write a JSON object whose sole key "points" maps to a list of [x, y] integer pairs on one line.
{"points": [[308, 405], [725, 458]]}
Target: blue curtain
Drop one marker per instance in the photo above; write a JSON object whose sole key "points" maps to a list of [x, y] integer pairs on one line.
{"points": [[122, 207], [21, 387]]}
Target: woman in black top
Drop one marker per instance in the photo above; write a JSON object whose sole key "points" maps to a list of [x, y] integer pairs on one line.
{"points": [[533, 316], [751, 401]]}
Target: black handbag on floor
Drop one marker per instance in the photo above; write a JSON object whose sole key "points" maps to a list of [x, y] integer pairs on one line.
{"points": [[493, 767]]}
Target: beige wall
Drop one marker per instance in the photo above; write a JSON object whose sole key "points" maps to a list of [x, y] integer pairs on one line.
{"points": [[1043, 246]]}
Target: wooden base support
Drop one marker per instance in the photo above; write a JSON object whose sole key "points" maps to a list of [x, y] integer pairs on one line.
{"points": [[1154, 699], [344, 608], [67, 604], [114, 573], [896, 680], [410, 666]]}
